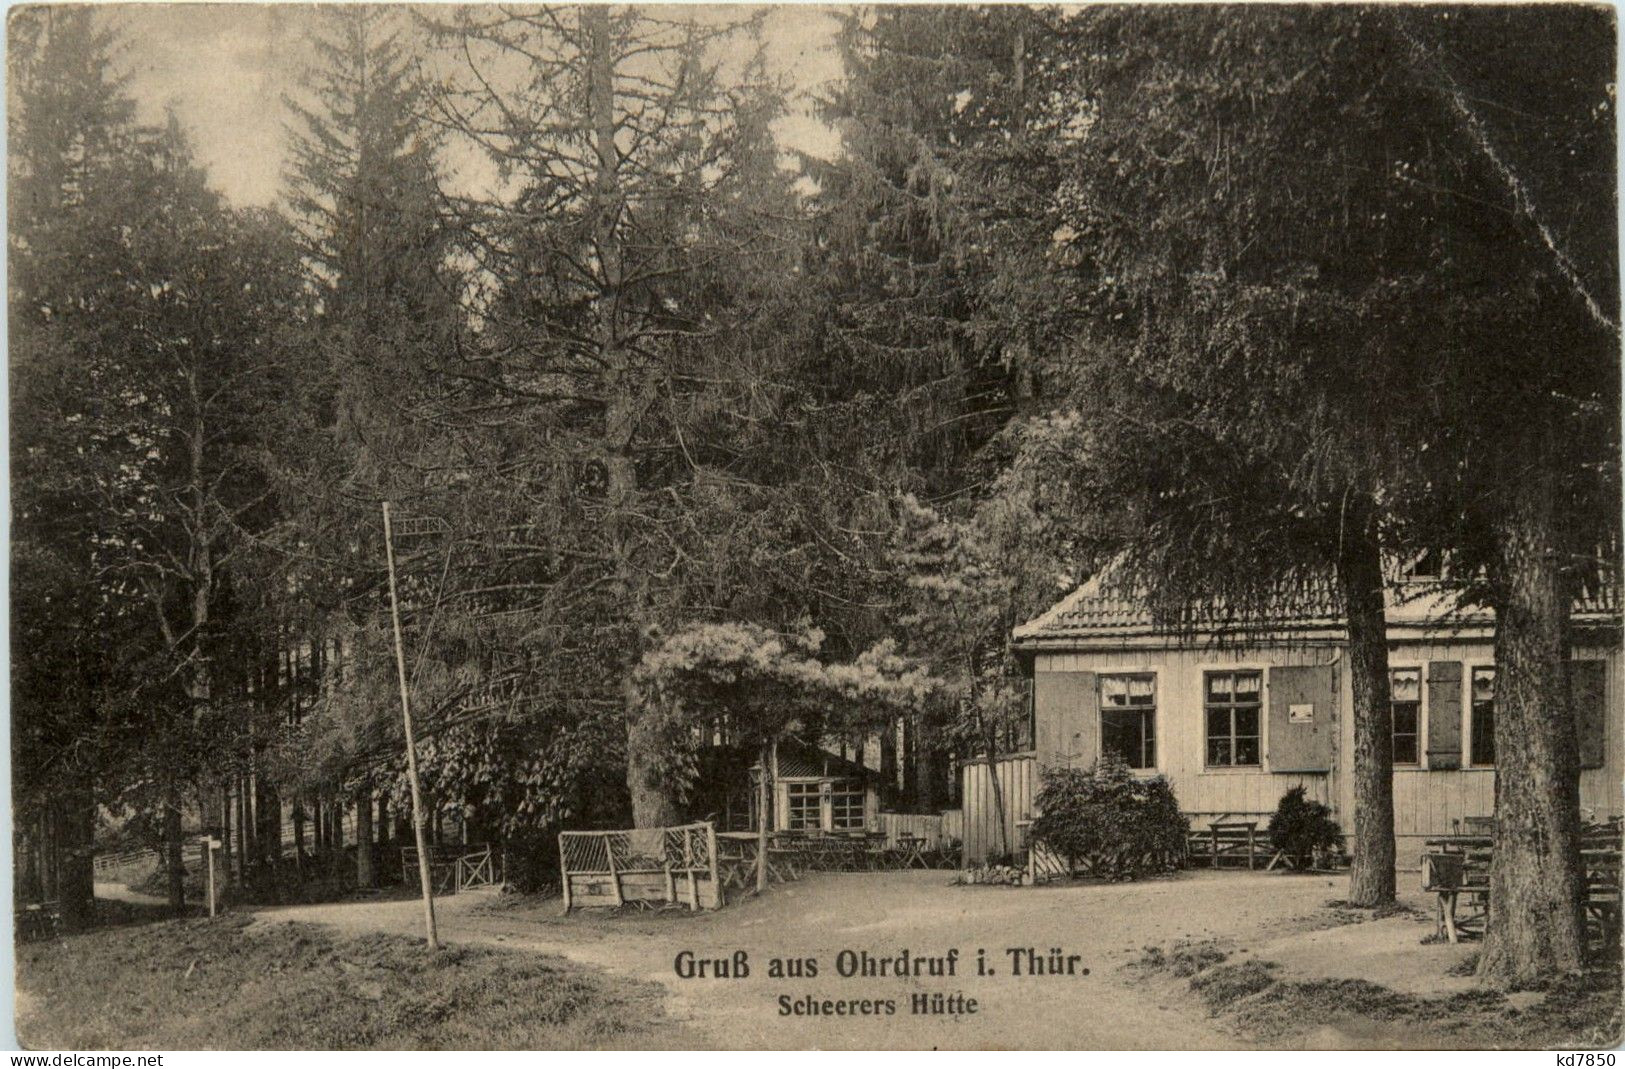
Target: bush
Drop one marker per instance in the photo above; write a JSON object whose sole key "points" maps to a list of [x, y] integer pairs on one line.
{"points": [[1120, 824], [1300, 827]]}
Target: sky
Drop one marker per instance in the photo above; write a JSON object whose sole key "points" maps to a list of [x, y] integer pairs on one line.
{"points": [[224, 68]]}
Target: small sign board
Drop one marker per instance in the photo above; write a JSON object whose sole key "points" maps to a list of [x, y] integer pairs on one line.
{"points": [[1301, 714]]}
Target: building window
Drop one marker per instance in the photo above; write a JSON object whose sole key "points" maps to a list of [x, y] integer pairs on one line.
{"points": [[846, 806], [1405, 699], [1128, 718], [1425, 566], [1233, 704], [804, 807], [1482, 744]]}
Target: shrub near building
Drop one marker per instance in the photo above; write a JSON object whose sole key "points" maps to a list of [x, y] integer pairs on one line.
{"points": [[1304, 830], [1121, 825]]}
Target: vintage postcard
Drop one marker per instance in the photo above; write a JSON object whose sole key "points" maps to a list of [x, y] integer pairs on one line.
{"points": [[805, 527]]}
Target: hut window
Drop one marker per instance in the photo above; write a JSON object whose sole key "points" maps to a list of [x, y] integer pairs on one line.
{"points": [[804, 808], [1405, 698], [1483, 735], [1232, 703], [846, 805], [1128, 718]]}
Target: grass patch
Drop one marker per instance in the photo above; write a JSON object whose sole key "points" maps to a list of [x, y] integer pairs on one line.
{"points": [[1583, 1013], [1346, 912], [227, 984], [1185, 959], [1225, 985]]}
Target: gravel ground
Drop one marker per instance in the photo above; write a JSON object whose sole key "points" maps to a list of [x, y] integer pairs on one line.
{"points": [[1105, 926]]}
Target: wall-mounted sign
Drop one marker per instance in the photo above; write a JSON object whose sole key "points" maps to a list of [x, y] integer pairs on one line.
{"points": [[1300, 714]]}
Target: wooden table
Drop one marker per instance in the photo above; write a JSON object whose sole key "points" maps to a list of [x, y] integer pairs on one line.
{"points": [[1458, 866], [736, 859], [1233, 833], [910, 851]]}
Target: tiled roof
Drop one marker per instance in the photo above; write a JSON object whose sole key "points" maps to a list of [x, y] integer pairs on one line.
{"points": [[797, 760], [1093, 612]]}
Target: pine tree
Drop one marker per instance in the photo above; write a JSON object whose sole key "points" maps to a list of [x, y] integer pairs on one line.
{"points": [[634, 257], [70, 123], [150, 316]]}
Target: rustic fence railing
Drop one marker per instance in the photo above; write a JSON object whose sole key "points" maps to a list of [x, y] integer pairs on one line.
{"points": [[640, 866], [103, 864], [454, 868]]}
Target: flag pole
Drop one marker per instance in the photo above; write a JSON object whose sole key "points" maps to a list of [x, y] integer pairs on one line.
{"points": [[411, 744]]}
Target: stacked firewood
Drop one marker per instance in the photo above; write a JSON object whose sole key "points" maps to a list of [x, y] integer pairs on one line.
{"points": [[1009, 875]]}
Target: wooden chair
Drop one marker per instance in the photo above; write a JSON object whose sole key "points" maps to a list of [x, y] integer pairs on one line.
{"points": [[910, 852], [1443, 874]]}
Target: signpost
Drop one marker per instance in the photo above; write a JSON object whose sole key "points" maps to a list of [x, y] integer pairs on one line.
{"points": [[210, 845], [411, 744]]}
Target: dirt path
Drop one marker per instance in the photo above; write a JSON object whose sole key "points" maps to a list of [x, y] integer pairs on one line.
{"points": [[120, 893], [884, 914]]}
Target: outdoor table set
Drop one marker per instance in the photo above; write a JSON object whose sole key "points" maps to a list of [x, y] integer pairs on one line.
{"points": [[1457, 869], [792, 852]]}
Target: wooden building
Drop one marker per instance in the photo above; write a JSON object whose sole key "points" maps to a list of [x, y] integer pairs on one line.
{"points": [[815, 790], [1236, 715]]}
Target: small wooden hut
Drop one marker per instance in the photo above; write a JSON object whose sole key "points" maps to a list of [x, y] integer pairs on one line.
{"points": [[812, 789]]}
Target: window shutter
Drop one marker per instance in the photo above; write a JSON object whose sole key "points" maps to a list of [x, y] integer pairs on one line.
{"points": [[1588, 697], [1302, 717], [1444, 714], [1066, 714]]}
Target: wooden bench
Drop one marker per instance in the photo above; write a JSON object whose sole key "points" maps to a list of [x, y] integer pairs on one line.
{"points": [[1226, 842], [36, 921]]}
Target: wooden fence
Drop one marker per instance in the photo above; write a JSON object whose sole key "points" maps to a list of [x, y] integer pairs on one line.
{"points": [[1018, 780], [107, 865], [642, 865], [937, 829], [454, 868]]}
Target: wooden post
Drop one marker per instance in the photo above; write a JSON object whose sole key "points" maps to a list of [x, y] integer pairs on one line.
{"points": [[614, 875], [711, 851], [411, 745], [688, 867], [761, 820], [208, 860], [564, 874]]}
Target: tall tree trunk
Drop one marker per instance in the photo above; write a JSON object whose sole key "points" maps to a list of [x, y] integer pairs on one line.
{"points": [[762, 785], [1537, 887], [654, 802], [270, 829], [50, 850], [76, 889], [226, 835], [888, 762], [243, 831], [31, 882], [299, 829], [364, 875], [925, 782], [174, 859], [989, 742], [908, 760], [1371, 878]]}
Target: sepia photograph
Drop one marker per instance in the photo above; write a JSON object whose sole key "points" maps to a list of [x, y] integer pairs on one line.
{"points": [[799, 527]]}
